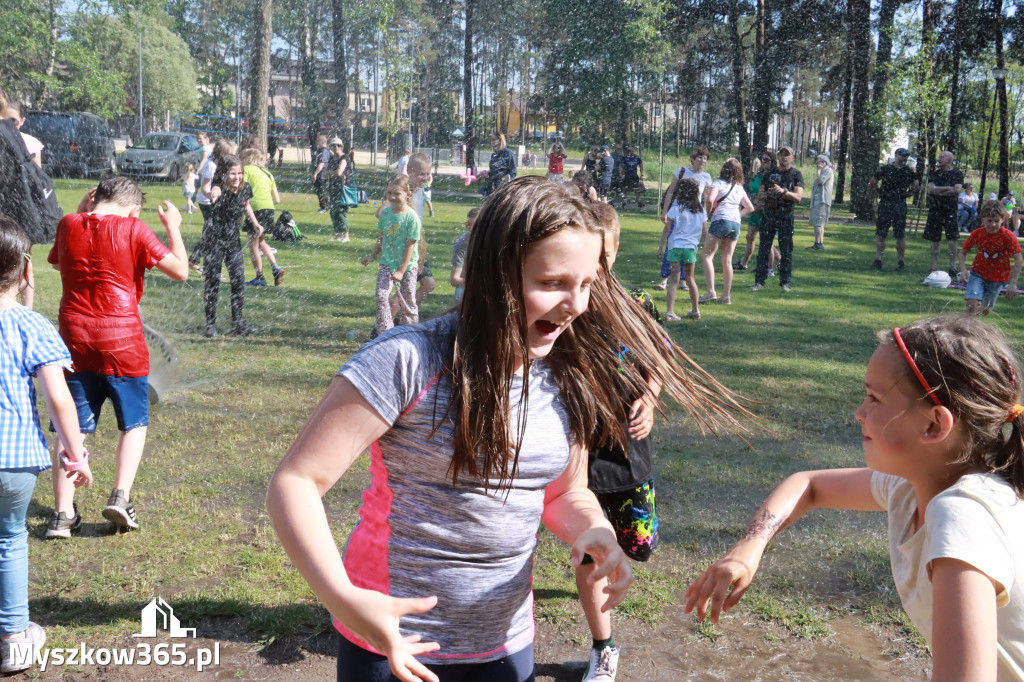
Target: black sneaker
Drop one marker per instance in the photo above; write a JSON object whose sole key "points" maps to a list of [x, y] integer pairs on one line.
{"points": [[738, 265], [120, 511], [60, 526], [900, 266], [211, 331], [877, 265], [241, 328], [954, 274]]}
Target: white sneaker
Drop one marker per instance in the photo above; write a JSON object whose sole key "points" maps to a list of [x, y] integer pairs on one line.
{"points": [[603, 664], [20, 652]]}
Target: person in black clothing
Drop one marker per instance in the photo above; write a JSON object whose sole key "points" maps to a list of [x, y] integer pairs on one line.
{"points": [[894, 183], [944, 187], [782, 189], [632, 178], [503, 163], [230, 196]]}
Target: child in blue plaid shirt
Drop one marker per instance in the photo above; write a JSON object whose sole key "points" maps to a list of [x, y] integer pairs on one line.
{"points": [[29, 347]]}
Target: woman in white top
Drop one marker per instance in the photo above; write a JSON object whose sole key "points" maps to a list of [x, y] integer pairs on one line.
{"points": [[727, 204], [821, 201], [966, 208]]}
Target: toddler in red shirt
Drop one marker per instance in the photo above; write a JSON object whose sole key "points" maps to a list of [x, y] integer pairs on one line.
{"points": [[102, 253], [991, 267]]}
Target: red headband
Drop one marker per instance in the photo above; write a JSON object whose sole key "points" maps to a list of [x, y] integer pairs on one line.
{"points": [[913, 365]]}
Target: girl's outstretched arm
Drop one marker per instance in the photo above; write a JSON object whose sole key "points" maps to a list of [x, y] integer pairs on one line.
{"points": [[572, 513], [342, 426], [828, 488], [963, 623]]}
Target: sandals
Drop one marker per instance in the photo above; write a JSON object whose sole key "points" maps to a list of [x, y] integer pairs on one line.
{"points": [[693, 315], [672, 317], [707, 298], [725, 300]]}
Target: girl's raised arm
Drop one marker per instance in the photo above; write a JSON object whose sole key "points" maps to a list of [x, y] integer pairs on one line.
{"points": [[963, 623], [342, 426], [828, 488], [572, 513]]}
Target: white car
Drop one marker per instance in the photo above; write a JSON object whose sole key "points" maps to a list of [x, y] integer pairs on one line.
{"points": [[160, 155]]}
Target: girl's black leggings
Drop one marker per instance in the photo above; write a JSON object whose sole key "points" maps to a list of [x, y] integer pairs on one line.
{"points": [[230, 254]]}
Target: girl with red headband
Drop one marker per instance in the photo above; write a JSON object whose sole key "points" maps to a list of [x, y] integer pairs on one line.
{"points": [[943, 438]]}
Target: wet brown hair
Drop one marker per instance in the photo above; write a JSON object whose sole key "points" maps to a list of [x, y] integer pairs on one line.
{"points": [[994, 208], [732, 171], [224, 165], [606, 217], [492, 331], [973, 372], [687, 195], [14, 247], [119, 190]]}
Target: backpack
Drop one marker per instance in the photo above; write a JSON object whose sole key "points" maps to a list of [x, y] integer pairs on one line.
{"points": [[285, 229], [28, 195]]}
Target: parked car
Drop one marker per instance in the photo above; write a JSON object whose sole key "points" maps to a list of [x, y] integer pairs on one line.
{"points": [[76, 143], [160, 155]]}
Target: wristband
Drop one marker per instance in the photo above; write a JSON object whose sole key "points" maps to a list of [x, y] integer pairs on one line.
{"points": [[68, 465]]}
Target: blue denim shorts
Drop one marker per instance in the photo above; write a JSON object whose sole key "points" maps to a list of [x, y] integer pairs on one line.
{"points": [[725, 229], [980, 289], [129, 395]]}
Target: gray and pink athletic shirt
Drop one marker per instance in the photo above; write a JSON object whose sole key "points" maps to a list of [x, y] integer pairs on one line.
{"points": [[418, 535]]}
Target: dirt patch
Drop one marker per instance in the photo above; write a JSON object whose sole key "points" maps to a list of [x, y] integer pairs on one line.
{"points": [[670, 652]]}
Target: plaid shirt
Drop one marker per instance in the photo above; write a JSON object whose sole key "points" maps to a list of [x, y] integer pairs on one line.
{"points": [[29, 341]]}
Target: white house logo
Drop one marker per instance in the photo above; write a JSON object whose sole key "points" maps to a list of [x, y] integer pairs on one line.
{"points": [[159, 613]]}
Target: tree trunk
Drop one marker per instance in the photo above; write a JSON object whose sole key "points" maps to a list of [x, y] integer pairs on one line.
{"points": [[467, 87], [310, 41], [951, 139], [739, 97], [886, 20], [928, 45], [263, 32], [844, 124], [862, 200], [762, 79], [340, 67], [1004, 131]]}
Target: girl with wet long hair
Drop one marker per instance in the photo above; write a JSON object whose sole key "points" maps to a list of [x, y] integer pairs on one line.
{"points": [[478, 424]]}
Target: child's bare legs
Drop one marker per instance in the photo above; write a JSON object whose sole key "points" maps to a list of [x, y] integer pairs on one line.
{"points": [[254, 253], [708, 258], [128, 457], [268, 252], [751, 238], [426, 287], [728, 248], [670, 290], [691, 283]]}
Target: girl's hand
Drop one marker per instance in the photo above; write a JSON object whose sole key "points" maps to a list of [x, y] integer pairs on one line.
{"points": [[83, 477], [214, 194], [660, 254], [374, 617], [641, 419], [735, 570], [397, 277], [611, 563], [88, 202], [365, 260]]}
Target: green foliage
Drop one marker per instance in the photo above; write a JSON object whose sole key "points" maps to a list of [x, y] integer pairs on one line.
{"points": [[24, 40], [89, 85]]}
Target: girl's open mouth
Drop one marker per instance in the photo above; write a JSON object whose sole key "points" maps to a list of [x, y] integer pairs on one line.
{"points": [[547, 328]]}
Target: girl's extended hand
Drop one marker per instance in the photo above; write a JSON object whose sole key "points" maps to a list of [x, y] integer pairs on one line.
{"points": [[641, 419], [373, 617], [611, 563], [365, 260], [168, 213], [735, 570]]}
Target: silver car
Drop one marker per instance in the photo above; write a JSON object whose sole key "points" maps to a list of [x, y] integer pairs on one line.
{"points": [[160, 155]]}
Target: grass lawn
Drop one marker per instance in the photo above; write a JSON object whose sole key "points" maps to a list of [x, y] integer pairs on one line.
{"points": [[206, 545]]}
